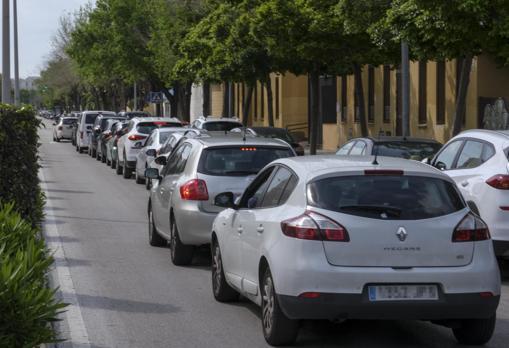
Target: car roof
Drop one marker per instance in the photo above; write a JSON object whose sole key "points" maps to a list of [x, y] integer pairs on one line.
{"points": [[219, 119], [221, 139], [156, 119], [483, 133], [170, 130], [318, 165], [99, 112]]}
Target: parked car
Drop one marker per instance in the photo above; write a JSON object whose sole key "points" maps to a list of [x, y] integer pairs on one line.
{"points": [[277, 133], [104, 138], [117, 130], [100, 124], [329, 237], [84, 128], [132, 114], [151, 149], [401, 147], [216, 123], [75, 127], [62, 129], [130, 143], [477, 160], [181, 205]]}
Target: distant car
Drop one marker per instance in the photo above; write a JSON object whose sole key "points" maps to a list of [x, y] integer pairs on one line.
{"points": [[181, 205], [77, 115], [478, 161], [401, 147], [215, 124], [336, 237], [132, 114], [63, 128], [117, 130], [138, 130], [277, 133], [104, 137], [151, 149], [84, 128], [98, 128]]}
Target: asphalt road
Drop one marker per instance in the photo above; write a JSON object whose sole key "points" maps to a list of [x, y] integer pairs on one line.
{"points": [[130, 295]]}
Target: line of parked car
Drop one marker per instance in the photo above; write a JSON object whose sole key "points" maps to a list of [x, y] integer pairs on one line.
{"points": [[388, 228]]}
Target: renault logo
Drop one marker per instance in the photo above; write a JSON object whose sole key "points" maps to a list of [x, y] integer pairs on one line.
{"points": [[402, 234]]}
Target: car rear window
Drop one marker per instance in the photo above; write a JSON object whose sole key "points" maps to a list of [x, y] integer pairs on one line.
{"points": [[68, 121], [398, 197], [90, 118], [408, 150], [239, 160], [275, 133], [221, 126], [148, 127]]}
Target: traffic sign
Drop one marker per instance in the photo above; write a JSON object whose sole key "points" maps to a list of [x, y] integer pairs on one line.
{"points": [[156, 97]]}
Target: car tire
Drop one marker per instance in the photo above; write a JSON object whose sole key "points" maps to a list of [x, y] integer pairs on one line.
{"points": [[104, 159], [57, 139], [108, 162], [118, 168], [98, 156], [94, 153], [277, 328], [125, 170], [475, 331], [222, 291], [148, 183], [113, 164], [154, 238], [139, 180], [181, 254]]}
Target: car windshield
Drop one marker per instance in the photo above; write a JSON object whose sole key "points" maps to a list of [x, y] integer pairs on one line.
{"points": [[131, 115], [221, 126], [68, 121], [148, 127], [239, 160], [409, 150], [277, 133], [386, 197]]}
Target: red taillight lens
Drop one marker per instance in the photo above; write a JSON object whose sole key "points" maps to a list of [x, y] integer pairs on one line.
{"points": [[194, 190], [135, 137], [471, 229], [499, 181], [313, 226], [310, 295]]}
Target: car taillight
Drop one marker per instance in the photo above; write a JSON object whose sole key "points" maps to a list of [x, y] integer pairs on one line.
{"points": [[499, 181], [135, 137], [194, 190], [471, 229], [313, 226], [60, 128]]}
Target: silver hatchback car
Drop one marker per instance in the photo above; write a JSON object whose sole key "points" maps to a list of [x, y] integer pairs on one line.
{"points": [[182, 206]]}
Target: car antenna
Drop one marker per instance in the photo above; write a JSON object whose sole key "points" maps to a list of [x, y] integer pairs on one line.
{"points": [[244, 135], [375, 160]]}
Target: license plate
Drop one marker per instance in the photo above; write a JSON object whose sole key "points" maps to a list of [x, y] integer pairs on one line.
{"points": [[403, 292]]}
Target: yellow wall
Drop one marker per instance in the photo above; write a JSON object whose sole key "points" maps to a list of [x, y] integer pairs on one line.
{"points": [[494, 81], [216, 99]]}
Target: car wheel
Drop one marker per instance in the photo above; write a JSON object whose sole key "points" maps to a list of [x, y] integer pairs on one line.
{"points": [[154, 238], [148, 183], [475, 331], [103, 157], [98, 156], [181, 255], [223, 292], [113, 164], [94, 153], [278, 329], [139, 180], [80, 149], [126, 171], [118, 168], [57, 139], [108, 162]]}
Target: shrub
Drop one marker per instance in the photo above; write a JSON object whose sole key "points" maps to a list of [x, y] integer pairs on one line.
{"points": [[27, 305], [19, 182]]}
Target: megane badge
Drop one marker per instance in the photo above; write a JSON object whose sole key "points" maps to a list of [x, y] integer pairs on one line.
{"points": [[401, 234]]}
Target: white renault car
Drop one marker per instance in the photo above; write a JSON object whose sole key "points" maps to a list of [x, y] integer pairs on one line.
{"points": [[478, 161], [337, 238], [138, 130], [63, 128]]}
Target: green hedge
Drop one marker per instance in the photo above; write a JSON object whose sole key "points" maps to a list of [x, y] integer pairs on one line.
{"points": [[27, 305], [19, 182]]}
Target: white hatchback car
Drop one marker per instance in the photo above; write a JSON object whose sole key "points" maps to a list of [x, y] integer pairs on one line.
{"points": [[131, 143], [335, 238], [63, 128], [478, 161], [216, 124]]}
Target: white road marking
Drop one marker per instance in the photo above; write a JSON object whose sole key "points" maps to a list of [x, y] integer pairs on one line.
{"points": [[78, 335]]}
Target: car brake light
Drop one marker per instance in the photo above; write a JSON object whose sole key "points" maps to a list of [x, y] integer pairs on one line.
{"points": [[194, 190], [313, 226], [499, 181], [382, 172], [135, 137], [471, 229], [505, 208], [310, 295]]}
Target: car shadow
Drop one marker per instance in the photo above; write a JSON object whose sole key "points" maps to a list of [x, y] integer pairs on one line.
{"points": [[124, 305]]}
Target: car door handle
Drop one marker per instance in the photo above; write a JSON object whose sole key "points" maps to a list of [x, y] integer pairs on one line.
{"points": [[260, 229], [464, 183], [240, 230]]}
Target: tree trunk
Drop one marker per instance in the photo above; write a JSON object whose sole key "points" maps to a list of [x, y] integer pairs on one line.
{"points": [[314, 79], [359, 92], [187, 101], [247, 104], [226, 99], [206, 98], [270, 101], [172, 100], [461, 98]]}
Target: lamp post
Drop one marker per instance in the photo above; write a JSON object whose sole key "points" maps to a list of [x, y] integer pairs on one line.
{"points": [[6, 54], [17, 100], [405, 89]]}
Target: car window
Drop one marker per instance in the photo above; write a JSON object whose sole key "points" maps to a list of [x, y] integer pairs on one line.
{"points": [[386, 197], [148, 127], [68, 121], [253, 194], [344, 150], [172, 162], [290, 186], [90, 118], [414, 150], [181, 165], [239, 160], [276, 187], [163, 136], [221, 126], [473, 154], [359, 148], [447, 156], [150, 140]]}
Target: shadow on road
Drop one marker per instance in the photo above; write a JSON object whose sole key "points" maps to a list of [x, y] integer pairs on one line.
{"points": [[96, 219], [68, 191], [62, 239], [122, 305]]}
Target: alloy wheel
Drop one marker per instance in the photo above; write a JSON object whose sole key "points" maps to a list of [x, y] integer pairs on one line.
{"points": [[150, 225], [217, 268], [173, 240], [268, 304]]}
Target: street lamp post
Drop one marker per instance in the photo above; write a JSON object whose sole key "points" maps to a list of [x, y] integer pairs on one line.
{"points": [[17, 100], [405, 89], [6, 54]]}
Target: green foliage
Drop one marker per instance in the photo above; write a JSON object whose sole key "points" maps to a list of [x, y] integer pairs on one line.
{"points": [[27, 305], [19, 182]]}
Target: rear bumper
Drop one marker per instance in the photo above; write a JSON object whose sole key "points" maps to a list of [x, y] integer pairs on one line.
{"points": [[357, 306], [194, 225]]}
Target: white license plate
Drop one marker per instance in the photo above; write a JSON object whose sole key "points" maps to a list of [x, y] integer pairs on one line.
{"points": [[403, 292]]}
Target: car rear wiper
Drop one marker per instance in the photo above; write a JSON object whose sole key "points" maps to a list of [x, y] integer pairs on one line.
{"points": [[388, 210]]}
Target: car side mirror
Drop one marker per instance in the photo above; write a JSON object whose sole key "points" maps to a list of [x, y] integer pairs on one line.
{"points": [[251, 202], [152, 173], [161, 160], [426, 160], [54, 123], [440, 166], [225, 200], [151, 152]]}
